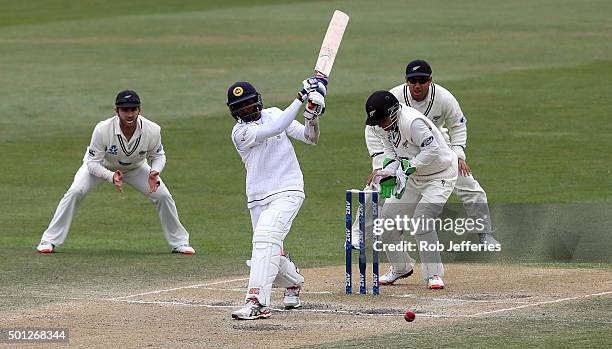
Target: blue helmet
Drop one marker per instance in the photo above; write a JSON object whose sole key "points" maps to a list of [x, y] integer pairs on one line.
{"points": [[244, 101]]}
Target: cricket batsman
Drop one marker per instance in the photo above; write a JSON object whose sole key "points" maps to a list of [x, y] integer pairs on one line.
{"points": [[274, 185]]}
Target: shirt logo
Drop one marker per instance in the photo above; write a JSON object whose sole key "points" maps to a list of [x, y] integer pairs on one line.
{"points": [[113, 150], [427, 141], [91, 153], [238, 91]]}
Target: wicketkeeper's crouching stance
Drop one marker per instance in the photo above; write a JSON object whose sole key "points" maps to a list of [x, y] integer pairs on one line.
{"points": [[118, 152], [418, 176], [274, 185]]}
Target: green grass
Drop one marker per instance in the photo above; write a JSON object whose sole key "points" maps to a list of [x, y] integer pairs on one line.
{"points": [[531, 77]]}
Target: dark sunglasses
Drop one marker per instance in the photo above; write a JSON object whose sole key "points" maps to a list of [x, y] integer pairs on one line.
{"points": [[420, 79], [127, 109]]}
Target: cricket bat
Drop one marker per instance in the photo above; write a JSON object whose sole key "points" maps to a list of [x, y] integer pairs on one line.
{"points": [[331, 43]]}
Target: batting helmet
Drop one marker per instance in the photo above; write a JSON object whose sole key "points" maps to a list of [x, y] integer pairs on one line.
{"points": [[244, 101]]}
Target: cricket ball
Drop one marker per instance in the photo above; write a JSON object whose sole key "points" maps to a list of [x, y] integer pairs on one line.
{"points": [[409, 316]]}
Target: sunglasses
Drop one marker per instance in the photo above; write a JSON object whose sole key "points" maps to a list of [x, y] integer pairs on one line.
{"points": [[128, 109], [418, 79]]}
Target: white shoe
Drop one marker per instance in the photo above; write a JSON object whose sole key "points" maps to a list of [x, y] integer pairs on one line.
{"points": [[435, 282], [184, 249], [291, 298], [45, 247], [487, 239], [392, 275], [252, 310]]}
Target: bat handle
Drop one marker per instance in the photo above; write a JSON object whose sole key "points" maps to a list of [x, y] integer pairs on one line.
{"points": [[320, 75]]}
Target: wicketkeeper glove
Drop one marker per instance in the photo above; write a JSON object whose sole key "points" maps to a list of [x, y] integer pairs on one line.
{"points": [[385, 181], [387, 185], [401, 175]]}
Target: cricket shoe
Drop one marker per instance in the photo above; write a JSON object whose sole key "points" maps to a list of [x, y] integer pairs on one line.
{"points": [[392, 275], [291, 298], [252, 310], [45, 247], [435, 282], [183, 249], [487, 239]]}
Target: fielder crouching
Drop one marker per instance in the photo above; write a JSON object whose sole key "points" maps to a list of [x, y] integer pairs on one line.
{"points": [[119, 149], [418, 176], [274, 186]]}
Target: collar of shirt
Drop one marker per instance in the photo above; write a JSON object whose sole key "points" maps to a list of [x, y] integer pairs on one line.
{"points": [[117, 128]]}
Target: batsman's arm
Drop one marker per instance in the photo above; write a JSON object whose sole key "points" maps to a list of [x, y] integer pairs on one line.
{"points": [[280, 124], [304, 133], [95, 156]]}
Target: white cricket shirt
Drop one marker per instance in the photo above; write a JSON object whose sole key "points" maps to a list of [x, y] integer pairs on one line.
{"points": [[110, 150], [442, 108], [272, 167]]}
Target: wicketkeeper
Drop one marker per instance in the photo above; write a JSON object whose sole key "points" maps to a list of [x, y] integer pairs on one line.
{"points": [[422, 170]]}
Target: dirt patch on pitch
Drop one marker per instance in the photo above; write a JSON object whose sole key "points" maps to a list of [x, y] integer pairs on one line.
{"points": [[200, 316]]}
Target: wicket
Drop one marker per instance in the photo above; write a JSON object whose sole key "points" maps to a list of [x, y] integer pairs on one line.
{"points": [[362, 241]]}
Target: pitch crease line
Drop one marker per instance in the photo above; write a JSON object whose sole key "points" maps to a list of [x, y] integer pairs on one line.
{"points": [[540, 303], [179, 288], [324, 311]]}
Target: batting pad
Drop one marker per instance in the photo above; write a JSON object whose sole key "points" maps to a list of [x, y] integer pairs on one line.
{"points": [[265, 258], [288, 275]]}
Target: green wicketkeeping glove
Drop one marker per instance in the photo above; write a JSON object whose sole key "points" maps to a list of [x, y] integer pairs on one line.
{"points": [[407, 167], [387, 185]]}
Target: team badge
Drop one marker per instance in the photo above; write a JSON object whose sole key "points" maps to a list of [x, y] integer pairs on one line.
{"points": [[113, 150], [238, 91]]}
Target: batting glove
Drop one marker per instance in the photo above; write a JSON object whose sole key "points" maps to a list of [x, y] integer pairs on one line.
{"points": [[310, 85], [315, 105]]}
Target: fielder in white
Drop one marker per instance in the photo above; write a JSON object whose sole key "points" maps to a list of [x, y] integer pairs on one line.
{"points": [[118, 152], [274, 186], [442, 108], [424, 172]]}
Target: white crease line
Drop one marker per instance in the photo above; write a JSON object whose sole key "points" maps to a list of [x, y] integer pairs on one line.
{"points": [[178, 288], [458, 300], [173, 303], [539, 303], [244, 290], [324, 311]]}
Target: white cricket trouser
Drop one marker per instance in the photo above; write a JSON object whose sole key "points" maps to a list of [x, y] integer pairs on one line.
{"points": [[474, 200], [421, 199], [271, 224], [84, 182]]}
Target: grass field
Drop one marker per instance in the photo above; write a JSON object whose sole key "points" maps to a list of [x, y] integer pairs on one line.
{"points": [[532, 78]]}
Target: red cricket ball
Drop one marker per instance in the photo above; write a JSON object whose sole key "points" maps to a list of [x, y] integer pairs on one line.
{"points": [[409, 316]]}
